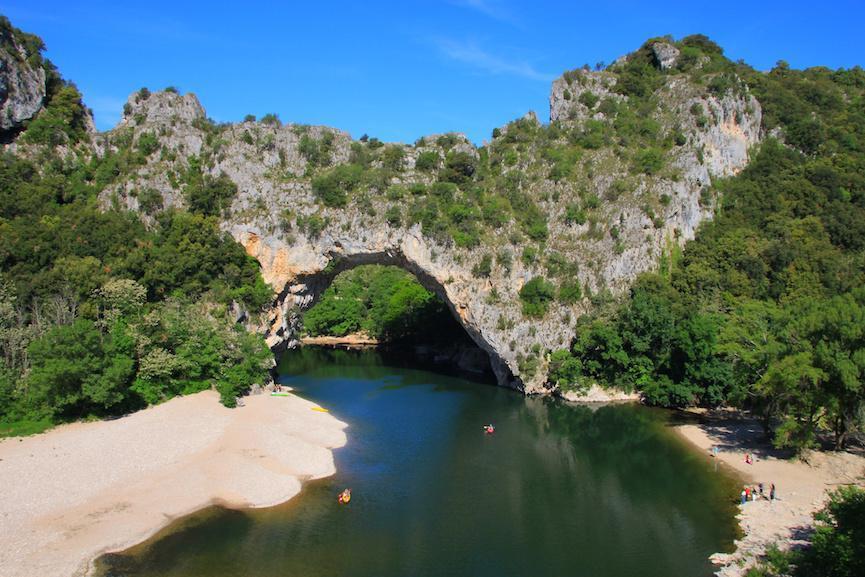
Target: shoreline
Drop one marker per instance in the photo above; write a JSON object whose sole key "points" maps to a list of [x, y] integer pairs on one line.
{"points": [[82, 490], [353, 340], [802, 486]]}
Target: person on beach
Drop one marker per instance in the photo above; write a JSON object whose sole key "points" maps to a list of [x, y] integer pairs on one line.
{"points": [[772, 492], [748, 458], [747, 493], [744, 496]]}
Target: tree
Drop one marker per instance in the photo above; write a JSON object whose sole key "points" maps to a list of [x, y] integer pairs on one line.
{"points": [[536, 296], [459, 167], [119, 298], [333, 187], [211, 196], [428, 161], [78, 371], [836, 330], [838, 544], [794, 383]]}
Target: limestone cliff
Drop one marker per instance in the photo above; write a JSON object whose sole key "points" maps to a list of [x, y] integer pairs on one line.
{"points": [[634, 215], [22, 80]]}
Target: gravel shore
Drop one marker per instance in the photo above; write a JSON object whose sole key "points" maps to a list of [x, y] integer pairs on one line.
{"points": [[80, 490], [802, 486]]}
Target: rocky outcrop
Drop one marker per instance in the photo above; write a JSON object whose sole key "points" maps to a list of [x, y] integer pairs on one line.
{"points": [[566, 104], [161, 108], [637, 216], [666, 55], [22, 84]]}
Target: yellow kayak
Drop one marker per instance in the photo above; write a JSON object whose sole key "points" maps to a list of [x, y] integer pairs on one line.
{"points": [[320, 409]]}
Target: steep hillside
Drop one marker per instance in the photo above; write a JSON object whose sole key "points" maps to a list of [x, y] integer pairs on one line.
{"points": [[520, 237]]}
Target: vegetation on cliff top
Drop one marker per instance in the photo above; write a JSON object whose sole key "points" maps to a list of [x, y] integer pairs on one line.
{"points": [[764, 308]]}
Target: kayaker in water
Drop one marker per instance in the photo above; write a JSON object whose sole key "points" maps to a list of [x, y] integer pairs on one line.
{"points": [[344, 497]]}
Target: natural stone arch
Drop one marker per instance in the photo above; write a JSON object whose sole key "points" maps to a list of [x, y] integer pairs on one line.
{"points": [[302, 290], [639, 216]]}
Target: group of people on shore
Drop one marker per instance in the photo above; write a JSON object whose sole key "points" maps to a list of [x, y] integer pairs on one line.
{"points": [[752, 493]]}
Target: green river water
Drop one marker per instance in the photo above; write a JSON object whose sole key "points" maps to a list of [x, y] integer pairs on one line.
{"points": [[558, 490]]}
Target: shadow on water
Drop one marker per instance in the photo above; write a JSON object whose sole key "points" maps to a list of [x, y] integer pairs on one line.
{"points": [[559, 489]]}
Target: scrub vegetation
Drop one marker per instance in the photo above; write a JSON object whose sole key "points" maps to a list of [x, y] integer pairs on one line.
{"points": [[100, 314], [764, 309]]}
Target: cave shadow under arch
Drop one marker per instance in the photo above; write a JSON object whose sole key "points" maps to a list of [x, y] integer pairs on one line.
{"points": [[306, 290]]}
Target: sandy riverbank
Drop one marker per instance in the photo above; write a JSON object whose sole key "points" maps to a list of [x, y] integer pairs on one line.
{"points": [[80, 490], [801, 486], [353, 340]]}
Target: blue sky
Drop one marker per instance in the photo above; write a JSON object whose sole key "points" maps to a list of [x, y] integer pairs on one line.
{"points": [[400, 69]]}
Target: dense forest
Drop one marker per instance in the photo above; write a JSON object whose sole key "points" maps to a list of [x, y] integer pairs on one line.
{"points": [[100, 314]]}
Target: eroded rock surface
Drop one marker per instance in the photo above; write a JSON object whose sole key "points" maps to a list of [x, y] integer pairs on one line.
{"points": [[637, 218], [22, 84]]}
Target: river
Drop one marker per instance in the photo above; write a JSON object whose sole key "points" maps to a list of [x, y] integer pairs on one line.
{"points": [[559, 489]]}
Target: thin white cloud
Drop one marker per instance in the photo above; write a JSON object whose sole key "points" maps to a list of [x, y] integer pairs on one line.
{"points": [[472, 54], [493, 8]]}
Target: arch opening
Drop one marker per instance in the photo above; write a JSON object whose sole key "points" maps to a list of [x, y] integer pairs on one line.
{"points": [[466, 352]]}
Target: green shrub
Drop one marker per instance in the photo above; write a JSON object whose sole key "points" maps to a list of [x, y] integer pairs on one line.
{"points": [[393, 158], [396, 192], [428, 161], [313, 225], [64, 119], [574, 214], [838, 543], [649, 160], [316, 152], [333, 187], [484, 267], [393, 216], [570, 291], [150, 201], [536, 296], [148, 143], [459, 168], [446, 191], [588, 99], [210, 196], [565, 370], [271, 119]]}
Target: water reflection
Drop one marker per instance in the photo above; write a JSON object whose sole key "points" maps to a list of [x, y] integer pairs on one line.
{"points": [[558, 490]]}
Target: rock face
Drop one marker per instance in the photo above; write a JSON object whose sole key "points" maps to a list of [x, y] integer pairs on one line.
{"points": [[637, 217], [666, 55], [22, 84]]}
